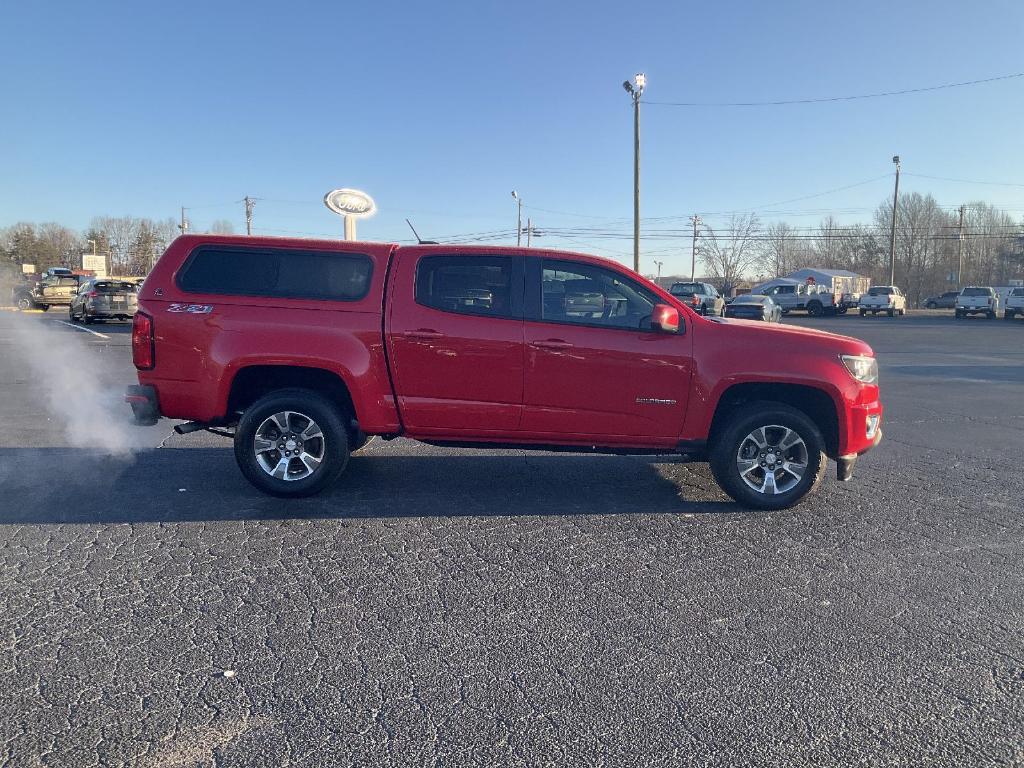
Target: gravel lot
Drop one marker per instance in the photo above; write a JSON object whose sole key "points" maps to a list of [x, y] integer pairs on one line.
{"points": [[459, 607]]}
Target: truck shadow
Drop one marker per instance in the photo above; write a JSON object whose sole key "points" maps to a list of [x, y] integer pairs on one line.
{"points": [[65, 485]]}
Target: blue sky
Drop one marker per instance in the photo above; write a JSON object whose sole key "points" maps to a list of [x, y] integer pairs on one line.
{"points": [[440, 109]]}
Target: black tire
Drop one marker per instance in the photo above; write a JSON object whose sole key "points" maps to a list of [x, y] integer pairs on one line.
{"points": [[863, 312], [730, 439], [335, 442], [71, 314], [85, 317], [814, 308], [931, 305], [990, 315], [958, 314], [1008, 314], [43, 307], [891, 312], [358, 442]]}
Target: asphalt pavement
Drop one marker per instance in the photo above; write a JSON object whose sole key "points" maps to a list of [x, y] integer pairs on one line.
{"points": [[444, 607]]}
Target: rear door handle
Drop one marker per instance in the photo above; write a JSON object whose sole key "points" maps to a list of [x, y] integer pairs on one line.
{"points": [[423, 333], [551, 344]]}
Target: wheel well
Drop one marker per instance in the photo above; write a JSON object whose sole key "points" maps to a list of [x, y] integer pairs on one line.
{"points": [[255, 381], [812, 401]]}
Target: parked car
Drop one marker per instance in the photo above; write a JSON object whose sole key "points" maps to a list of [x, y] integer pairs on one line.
{"points": [[54, 289], [100, 299], [977, 300], [1014, 304], [945, 300], [750, 307], [303, 348], [703, 297], [883, 298]]}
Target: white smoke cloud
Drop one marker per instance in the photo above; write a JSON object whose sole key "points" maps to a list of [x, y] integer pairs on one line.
{"points": [[82, 389]]}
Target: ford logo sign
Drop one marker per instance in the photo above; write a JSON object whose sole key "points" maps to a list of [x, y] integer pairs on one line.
{"points": [[350, 202]]}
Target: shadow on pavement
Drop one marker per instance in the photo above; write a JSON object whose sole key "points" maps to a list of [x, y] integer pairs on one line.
{"points": [[63, 485]]}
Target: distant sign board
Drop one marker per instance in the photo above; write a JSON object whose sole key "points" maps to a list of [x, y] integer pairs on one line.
{"points": [[28, 269], [350, 202], [95, 263]]}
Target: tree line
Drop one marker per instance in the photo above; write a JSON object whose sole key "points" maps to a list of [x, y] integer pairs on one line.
{"points": [[928, 247], [130, 244]]}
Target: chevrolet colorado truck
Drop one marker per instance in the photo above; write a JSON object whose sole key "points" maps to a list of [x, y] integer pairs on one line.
{"points": [[300, 349]]}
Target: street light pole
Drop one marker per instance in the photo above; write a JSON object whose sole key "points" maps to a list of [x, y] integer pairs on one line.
{"points": [[892, 232], [519, 218], [658, 265], [696, 221], [635, 89]]}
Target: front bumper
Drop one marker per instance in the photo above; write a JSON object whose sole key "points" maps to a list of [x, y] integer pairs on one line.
{"points": [[845, 464], [145, 408]]}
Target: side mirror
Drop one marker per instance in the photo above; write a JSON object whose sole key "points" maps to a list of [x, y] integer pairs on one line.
{"points": [[665, 318]]}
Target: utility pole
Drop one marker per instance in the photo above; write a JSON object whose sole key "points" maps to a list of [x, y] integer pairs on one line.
{"points": [[960, 248], [250, 203], [892, 233], [635, 89], [529, 232], [658, 265], [184, 222], [696, 221], [519, 218]]}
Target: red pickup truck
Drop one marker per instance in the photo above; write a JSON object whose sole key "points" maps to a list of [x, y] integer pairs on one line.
{"points": [[301, 349]]}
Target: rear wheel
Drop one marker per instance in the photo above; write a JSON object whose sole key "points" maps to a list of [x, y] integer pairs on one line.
{"points": [[24, 302], [1008, 314], [44, 307], [990, 315], [292, 442], [863, 312], [814, 308], [768, 456]]}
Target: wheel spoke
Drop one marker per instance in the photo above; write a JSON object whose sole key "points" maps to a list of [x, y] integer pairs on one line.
{"points": [[263, 445], [310, 461], [758, 437], [789, 439], [768, 486], [746, 466], [794, 468], [281, 470], [311, 431], [281, 421]]}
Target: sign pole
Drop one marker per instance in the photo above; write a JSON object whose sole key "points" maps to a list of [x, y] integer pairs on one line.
{"points": [[350, 228]]}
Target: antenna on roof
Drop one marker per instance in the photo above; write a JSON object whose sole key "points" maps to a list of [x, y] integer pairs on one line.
{"points": [[417, 235]]}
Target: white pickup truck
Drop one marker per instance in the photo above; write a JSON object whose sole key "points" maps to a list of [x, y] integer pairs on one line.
{"points": [[883, 298], [1014, 304], [977, 300]]}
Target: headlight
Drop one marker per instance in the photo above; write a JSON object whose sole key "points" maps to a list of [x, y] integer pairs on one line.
{"points": [[862, 368]]}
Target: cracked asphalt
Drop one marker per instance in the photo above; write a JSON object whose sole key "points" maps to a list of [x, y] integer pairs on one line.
{"points": [[459, 607]]}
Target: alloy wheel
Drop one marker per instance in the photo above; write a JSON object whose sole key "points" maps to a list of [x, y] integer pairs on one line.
{"points": [[772, 459], [289, 445]]}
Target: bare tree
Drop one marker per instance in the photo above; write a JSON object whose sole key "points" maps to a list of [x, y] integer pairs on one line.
{"points": [[779, 249], [222, 227], [730, 251]]}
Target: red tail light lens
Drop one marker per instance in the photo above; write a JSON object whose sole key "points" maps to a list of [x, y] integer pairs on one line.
{"points": [[142, 341], [93, 294]]}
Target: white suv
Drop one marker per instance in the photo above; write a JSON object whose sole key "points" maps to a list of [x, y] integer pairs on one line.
{"points": [[1014, 304], [977, 300], [883, 298]]}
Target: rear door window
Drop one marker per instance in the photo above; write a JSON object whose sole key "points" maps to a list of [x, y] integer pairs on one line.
{"points": [[470, 285], [585, 294], [277, 272]]}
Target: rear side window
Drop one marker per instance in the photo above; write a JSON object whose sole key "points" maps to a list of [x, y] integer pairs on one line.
{"points": [[470, 285], [114, 287], [977, 292], [1017, 292], [279, 273]]}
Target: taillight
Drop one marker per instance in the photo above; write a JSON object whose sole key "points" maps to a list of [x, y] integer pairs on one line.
{"points": [[93, 294], [142, 341]]}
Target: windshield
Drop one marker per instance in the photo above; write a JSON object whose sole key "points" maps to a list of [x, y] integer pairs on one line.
{"points": [[686, 289], [880, 290], [977, 292]]}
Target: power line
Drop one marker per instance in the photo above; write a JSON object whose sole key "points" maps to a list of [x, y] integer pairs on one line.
{"points": [[825, 99], [966, 181]]}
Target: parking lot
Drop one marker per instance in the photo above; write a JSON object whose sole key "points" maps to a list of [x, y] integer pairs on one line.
{"points": [[453, 607]]}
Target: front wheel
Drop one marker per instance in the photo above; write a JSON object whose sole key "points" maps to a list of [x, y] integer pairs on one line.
{"points": [[768, 456], [863, 312], [292, 442], [814, 308], [44, 307]]}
